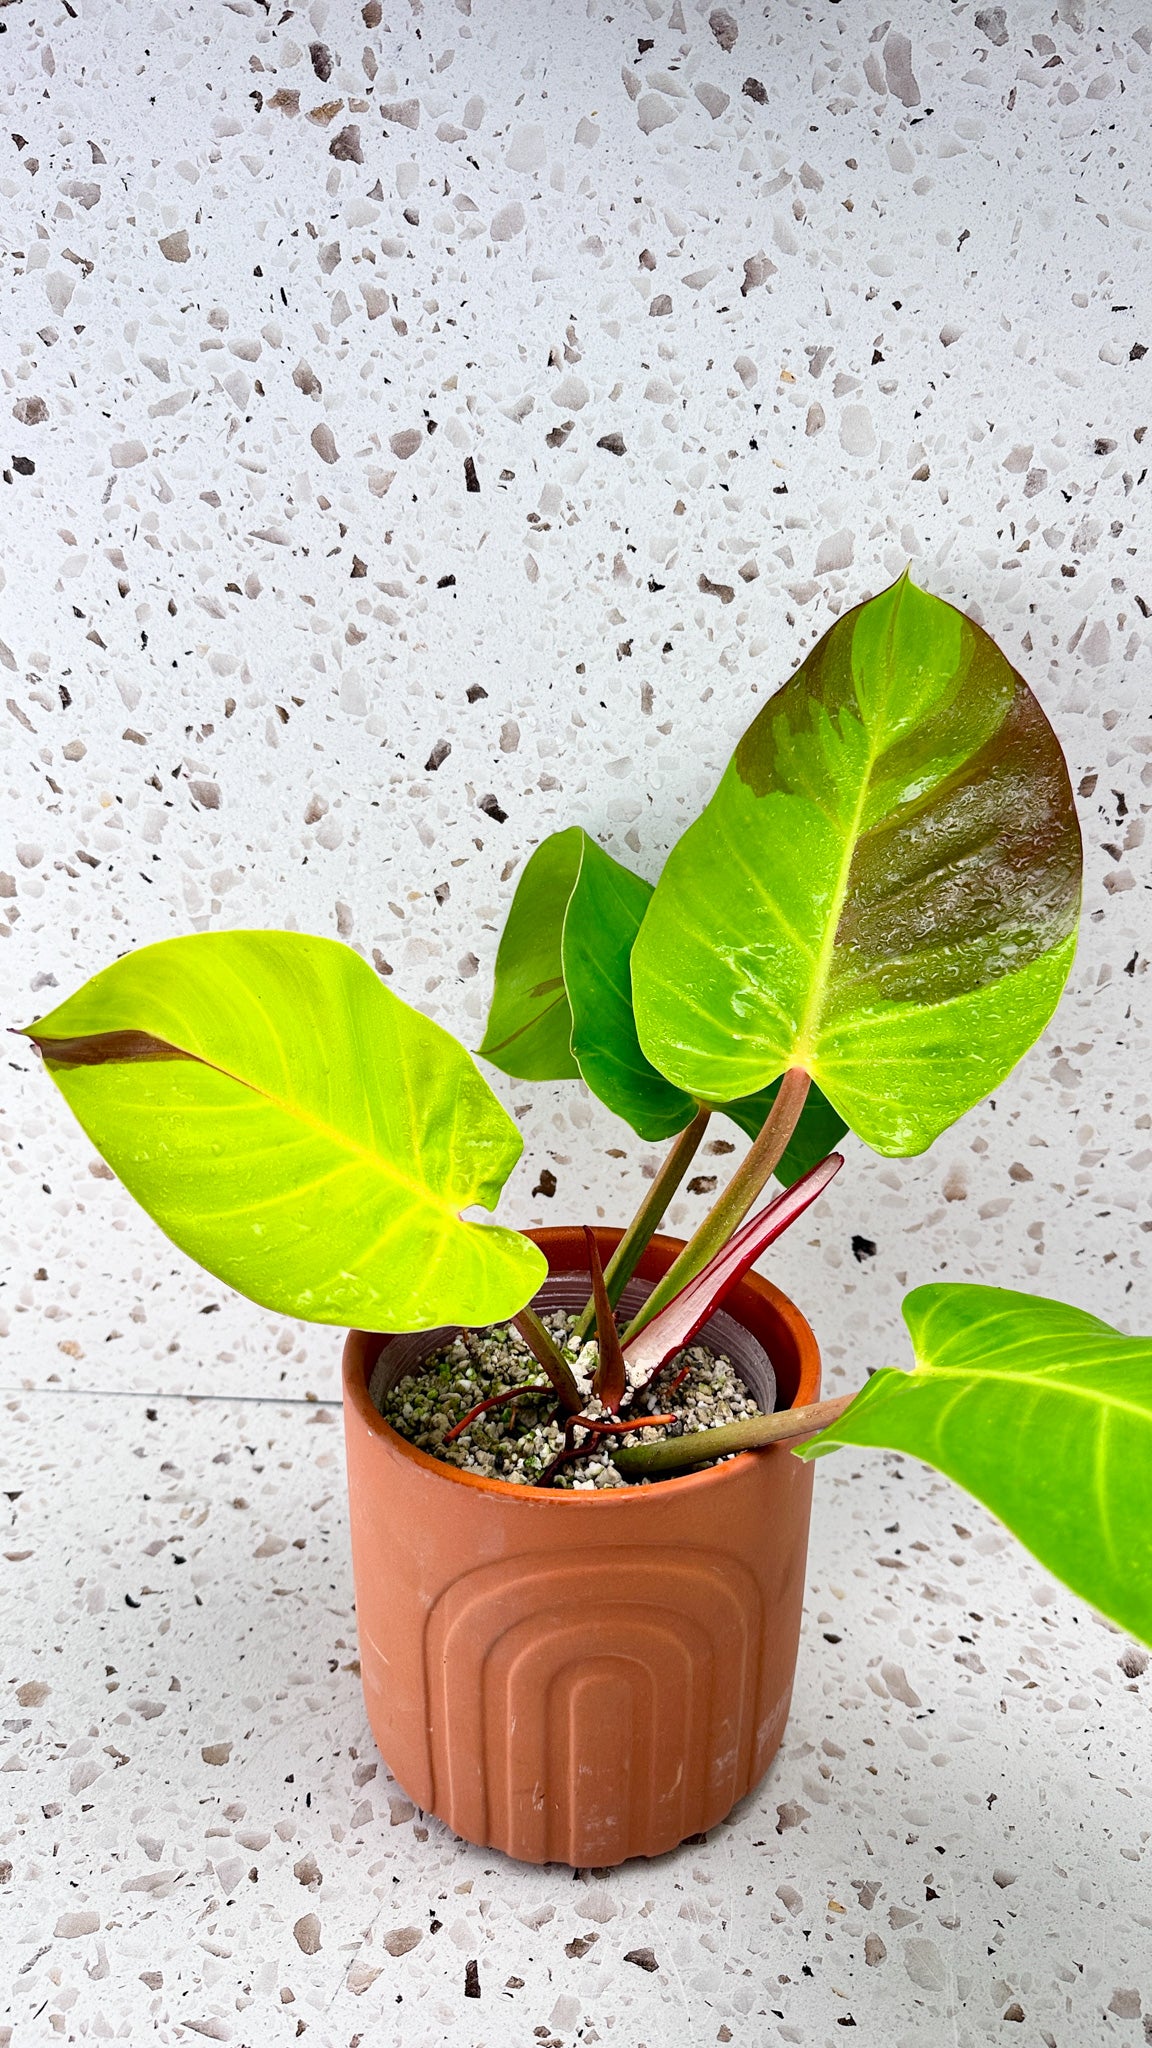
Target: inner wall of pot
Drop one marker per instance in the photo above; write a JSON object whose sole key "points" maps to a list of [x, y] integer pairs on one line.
{"points": [[721, 1333]]}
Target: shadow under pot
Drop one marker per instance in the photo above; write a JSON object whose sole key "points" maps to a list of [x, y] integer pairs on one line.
{"points": [[581, 1676]]}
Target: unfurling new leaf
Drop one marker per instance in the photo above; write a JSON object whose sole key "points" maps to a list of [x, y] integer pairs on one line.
{"points": [[675, 1326]]}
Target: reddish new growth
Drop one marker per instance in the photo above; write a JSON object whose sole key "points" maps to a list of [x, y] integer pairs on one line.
{"points": [[597, 1429], [495, 1401], [610, 1381], [700, 1297]]}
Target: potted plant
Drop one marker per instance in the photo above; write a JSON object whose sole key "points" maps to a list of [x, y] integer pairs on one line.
{"points": [[867, 927]]}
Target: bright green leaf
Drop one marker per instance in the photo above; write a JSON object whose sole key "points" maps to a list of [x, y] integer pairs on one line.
{"points": [[1041, 1411], [296, 1129], [883, 890]]}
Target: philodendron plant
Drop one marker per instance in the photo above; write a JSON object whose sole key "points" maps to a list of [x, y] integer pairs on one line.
{"points": [[867, 927]]}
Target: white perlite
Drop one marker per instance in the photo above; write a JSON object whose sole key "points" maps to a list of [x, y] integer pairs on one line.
{"points": [[518, 1440]]}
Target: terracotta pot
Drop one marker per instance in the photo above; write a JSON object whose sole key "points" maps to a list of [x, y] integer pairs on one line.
{"points": [[579, 1677]]}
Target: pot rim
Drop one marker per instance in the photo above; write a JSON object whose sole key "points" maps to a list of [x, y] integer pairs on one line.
{"points": [[359, 1359]]}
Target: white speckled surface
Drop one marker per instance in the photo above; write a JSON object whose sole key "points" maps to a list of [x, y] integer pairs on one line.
{"points": [[958, 1820], [725, 319]]}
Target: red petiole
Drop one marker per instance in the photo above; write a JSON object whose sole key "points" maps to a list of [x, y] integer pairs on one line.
{"points": [[610, 1381], [599, 1427], [596, 1428], [495, 1401]]}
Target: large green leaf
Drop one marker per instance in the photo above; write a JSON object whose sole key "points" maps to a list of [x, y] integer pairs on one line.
{"points": [[883, 890], [1041, 1411], [297, 1129], [562, 1000]]}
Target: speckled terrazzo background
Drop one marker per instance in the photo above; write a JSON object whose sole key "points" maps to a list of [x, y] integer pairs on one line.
{"points": [[426, 426]]}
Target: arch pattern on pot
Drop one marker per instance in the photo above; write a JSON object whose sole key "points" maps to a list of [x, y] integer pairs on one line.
{"points": [[630, 1682]]}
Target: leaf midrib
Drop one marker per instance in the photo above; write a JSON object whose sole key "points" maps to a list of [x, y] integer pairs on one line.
{"points": [[340, 1140], [1040, 1382], [804, 1050]]}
